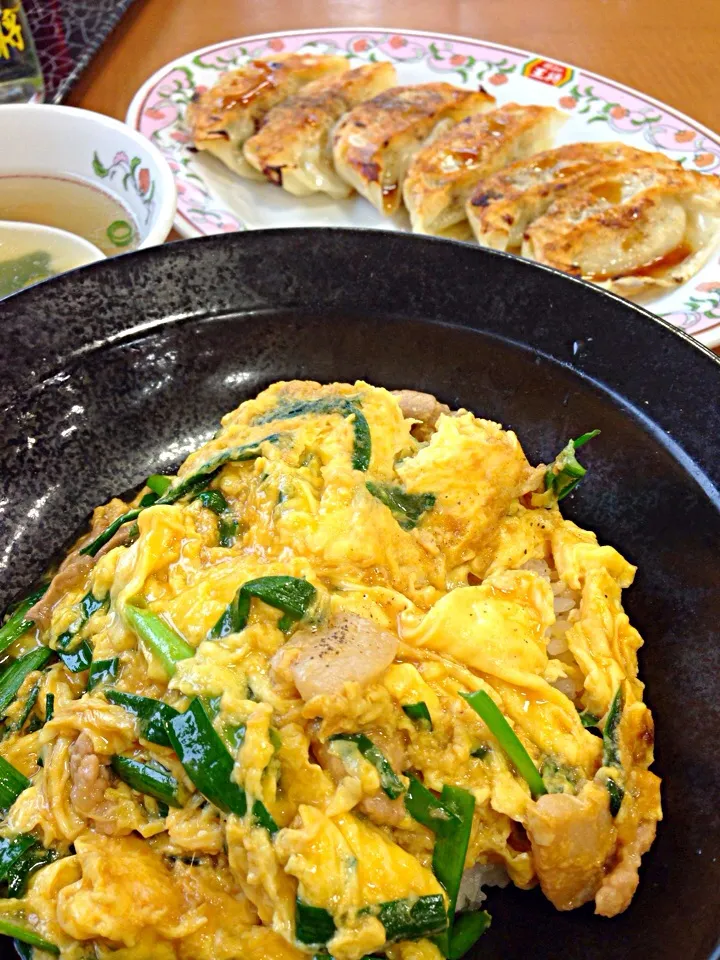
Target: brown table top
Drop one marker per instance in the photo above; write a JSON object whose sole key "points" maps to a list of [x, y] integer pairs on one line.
{"points": [[665, 48]]}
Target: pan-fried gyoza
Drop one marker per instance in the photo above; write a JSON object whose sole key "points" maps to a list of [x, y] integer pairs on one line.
{"points": [[633, 221]]}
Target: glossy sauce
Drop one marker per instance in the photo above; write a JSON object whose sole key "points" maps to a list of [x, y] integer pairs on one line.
{"points": [[479, 143], [71, 205], [655, 268], [661, 264], [389, 195], [610, 190], [249, 87]]}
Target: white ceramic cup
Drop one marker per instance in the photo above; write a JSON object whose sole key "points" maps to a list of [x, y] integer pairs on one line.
{"points": [[47, 140]]}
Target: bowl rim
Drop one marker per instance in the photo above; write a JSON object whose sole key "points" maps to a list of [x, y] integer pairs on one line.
{"points": [[25, 226], [167, 193], [670, 418]]}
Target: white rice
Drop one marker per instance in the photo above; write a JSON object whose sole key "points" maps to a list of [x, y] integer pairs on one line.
{"points": [[540, 567], [567, 686], [470, 894], [565, 606]]}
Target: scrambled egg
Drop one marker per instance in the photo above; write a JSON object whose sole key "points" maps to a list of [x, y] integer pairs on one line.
{"points": [[431, 575]]}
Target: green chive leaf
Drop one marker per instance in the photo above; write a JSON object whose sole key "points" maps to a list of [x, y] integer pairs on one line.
{"points": [[159, 637], [29, 704], [411, 918], [16, 624], [201, 477], [12, 849], [158, 483], [174, 491], [23, 868], [206, 758], [427, 809], [293, 595], [227, 524], [588, 720], [389, 780], [78, 659], [109, 532], [152, 715], [103, 671], [467, 930], [314, 926], [611, 743], [262, 816], [611, 750], [583, 439], [149, 778], [566, 471], [406, 508], [617, 793], [488, 710], [346, 407], [450, 817], [11, 679], [419, 714], [9, 928], [451, 846], [12, 784]]}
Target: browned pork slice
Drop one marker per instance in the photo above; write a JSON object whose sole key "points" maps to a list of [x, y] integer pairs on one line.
{"points": [[571, 839], [347, 648]]}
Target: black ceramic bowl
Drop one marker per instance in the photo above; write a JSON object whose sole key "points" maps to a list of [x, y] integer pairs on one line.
{"points": [[119, 370]]}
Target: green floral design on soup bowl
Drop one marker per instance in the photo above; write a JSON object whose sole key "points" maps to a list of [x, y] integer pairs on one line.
{"points": [[66, 142]]}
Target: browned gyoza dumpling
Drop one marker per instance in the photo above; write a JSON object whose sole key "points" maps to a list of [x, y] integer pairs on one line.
{"points": [[503, 205], [635, 231], [375, 143], [293, 146], [222, 118], [443, 173]]}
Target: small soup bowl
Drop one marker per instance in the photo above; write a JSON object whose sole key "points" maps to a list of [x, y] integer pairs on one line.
{"points": [[52, 141], [30, 252]]}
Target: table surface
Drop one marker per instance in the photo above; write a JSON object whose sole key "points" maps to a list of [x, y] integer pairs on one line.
{"points": [[665, 48]]}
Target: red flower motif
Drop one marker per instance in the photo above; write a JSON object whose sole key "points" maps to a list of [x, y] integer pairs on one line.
{"points": [[200, 89], [144, 180], [179, 136], [497, 79], [618, 112], [684, 136], [567, 102], [154, 113], [360, 45], [704, 159], [710, 287], [396, 42], [276, 44], [457, 59]]}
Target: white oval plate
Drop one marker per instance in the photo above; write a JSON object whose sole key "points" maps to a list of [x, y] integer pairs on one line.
{"points": [[213, 200]]}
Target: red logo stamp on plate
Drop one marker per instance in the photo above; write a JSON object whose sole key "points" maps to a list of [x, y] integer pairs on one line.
{"points": [[546, 71]]}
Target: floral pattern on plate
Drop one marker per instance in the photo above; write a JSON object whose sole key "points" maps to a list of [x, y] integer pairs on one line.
{"points": [[213, 200]]}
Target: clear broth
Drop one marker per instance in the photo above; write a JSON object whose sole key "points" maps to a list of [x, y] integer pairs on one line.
{"points": [[70, 205]]}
